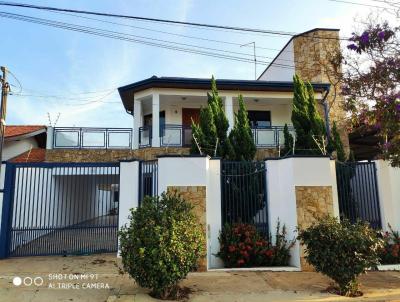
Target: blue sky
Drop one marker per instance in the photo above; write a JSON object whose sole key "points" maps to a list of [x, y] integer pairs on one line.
{"points": [[76, 74]]}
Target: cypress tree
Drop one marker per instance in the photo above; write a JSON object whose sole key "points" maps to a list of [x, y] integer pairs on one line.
{"points": [[205, 133], [305, 116], [221, 122], [241, 136], [300, 118], [337, 144], [288, 141]]}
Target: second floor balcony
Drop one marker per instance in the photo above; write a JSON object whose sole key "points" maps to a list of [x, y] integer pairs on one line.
{"points": [[170, 135]]}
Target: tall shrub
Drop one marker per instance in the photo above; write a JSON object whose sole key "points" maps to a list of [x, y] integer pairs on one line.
{"points": [[161, 244], [288, 141], [337, 144], [211, 132], [306, 119], [341, 250], [241, 136]]}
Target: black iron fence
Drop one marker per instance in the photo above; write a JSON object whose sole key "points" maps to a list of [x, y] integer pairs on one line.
{"points": [[358, 192], [148, 179], [244, 194], [60, 209]]}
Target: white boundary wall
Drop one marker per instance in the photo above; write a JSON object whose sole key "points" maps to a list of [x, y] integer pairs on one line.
{"points": [[389, 194], [283, 175]]}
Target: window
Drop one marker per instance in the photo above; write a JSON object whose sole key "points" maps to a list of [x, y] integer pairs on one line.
{"points": [[148, 119], [259, 119]]}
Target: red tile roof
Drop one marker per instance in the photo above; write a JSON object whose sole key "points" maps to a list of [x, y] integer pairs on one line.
{"points": [[12, 131], [32, 156]]}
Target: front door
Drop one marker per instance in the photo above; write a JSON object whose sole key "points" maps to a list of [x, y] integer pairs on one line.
{"points": [[188, 114]]}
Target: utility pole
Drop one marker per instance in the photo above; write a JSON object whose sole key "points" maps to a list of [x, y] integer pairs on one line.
{"points": [[5, 87], [255, 57]]}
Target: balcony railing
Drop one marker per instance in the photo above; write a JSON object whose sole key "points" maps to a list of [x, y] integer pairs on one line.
{"points": [[170, 136], [270, 137], [181, 136], [92, 138], [175, 136]]}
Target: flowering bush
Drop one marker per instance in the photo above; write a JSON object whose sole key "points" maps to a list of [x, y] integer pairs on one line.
{"points": [[371, 84], [390, 253], [243, 246]]}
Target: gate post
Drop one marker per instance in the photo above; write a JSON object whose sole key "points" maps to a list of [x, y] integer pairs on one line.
{"points": [[128, 190], [6, 218]]}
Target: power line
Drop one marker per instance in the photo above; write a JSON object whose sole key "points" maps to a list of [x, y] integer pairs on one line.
{"points": [[119, 36], [163, 32], [256, 30], [123, 37], [360, 4], [166, 21]]}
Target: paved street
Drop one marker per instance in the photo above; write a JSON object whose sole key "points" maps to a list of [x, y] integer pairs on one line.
{"points": [[98, 278]]}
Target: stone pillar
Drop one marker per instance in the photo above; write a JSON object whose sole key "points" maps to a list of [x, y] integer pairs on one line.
{"points": [[155, 142], [229, 111], [196, 196], [137, 122], [128, 190]]}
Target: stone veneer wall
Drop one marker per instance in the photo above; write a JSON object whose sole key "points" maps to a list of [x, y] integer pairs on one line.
{"points": [[312, 55], [97, 155], [196, 195], [312, 202], [93, 155]]}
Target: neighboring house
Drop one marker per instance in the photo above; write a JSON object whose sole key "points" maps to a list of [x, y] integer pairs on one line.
{"points": [[24, 143], [163, 107]]}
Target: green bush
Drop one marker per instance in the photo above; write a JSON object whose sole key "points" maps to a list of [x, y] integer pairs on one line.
{"points": [[341, 250], [162, 244], [390, 253], [241, 245]]}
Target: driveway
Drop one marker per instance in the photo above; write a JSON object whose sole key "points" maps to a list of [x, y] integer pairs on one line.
{"points": [[98, 278]]}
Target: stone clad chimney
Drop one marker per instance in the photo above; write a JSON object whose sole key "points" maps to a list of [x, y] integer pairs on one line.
{"points": [[313, 52]]}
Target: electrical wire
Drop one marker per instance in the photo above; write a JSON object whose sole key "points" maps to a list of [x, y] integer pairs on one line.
{"points": [[122, 36], [164, 32], [203, 25]]}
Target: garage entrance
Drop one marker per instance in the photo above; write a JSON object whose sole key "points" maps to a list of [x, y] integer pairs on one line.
{"points": [[60, 209]]}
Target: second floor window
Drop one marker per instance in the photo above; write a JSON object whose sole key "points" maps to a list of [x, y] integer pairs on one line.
{"points": [[259, 119]]}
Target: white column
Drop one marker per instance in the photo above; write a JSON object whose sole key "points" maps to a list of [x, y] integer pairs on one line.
{"points": [[213, 207], [137, 122], [229, 111], [156, 120], [49, 137], [128, 190]]}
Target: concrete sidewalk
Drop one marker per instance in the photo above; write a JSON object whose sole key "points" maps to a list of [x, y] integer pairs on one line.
{"points": [[98, 278]]}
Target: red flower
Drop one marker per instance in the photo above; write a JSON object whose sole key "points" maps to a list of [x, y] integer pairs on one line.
{"points": [[231, 248], [240, 262], [269, 253]]}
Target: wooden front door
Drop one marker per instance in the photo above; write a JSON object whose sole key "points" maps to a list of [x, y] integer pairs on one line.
{"points": [[188, 114]]}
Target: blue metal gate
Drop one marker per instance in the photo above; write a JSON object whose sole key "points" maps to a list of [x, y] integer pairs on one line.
{"points": [[148, 179], [244, 194], [60, 209], [358, 192]]}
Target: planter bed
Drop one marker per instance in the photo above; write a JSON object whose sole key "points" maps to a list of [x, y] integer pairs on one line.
{"points": [[250, 269], [389, 267]]}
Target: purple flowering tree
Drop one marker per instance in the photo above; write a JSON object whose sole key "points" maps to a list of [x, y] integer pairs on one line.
{"points": [[371, 84]]}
